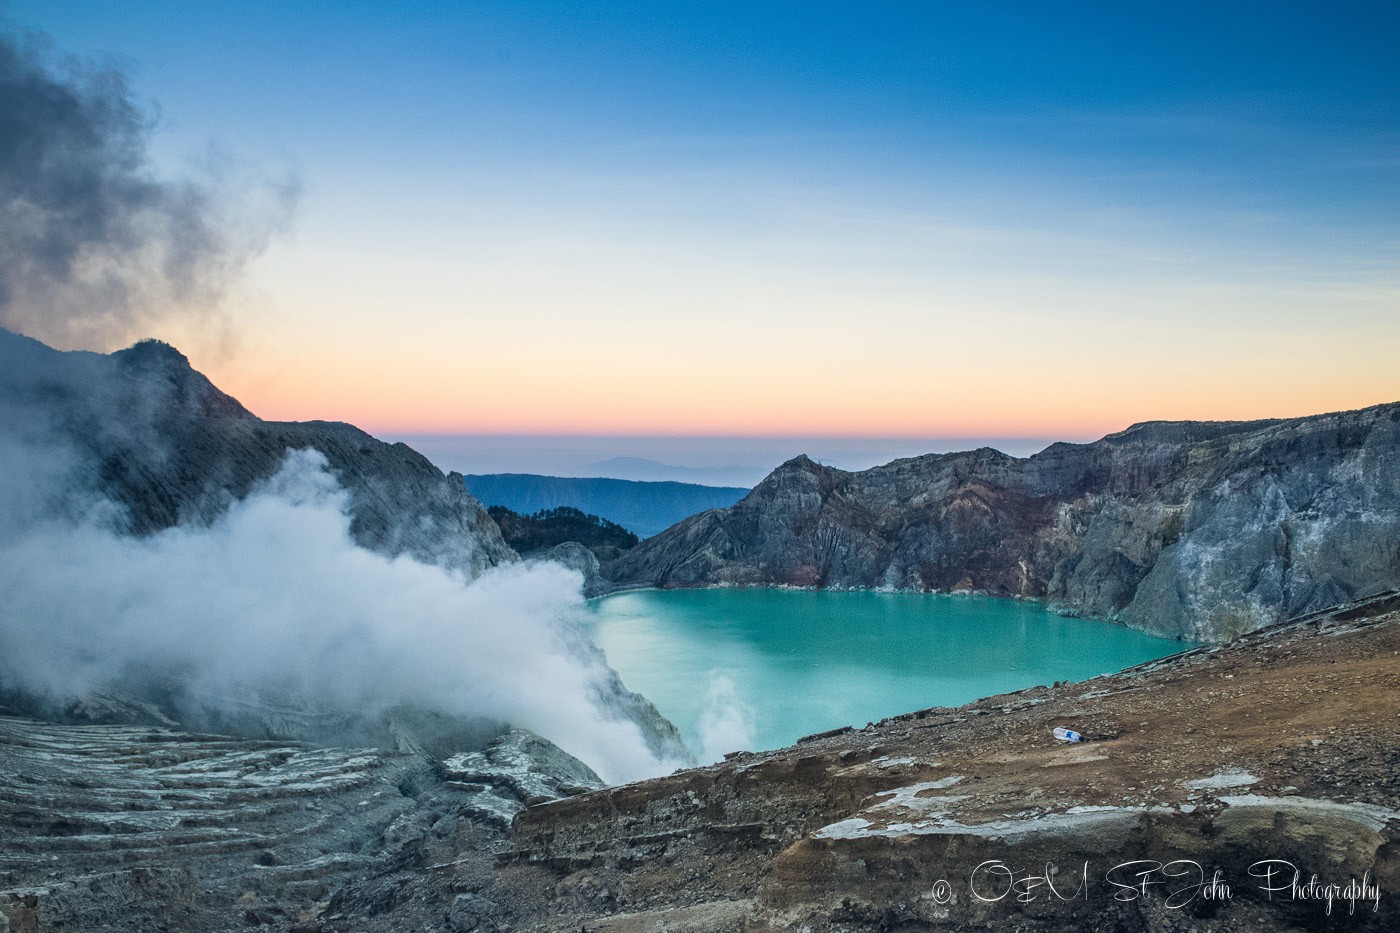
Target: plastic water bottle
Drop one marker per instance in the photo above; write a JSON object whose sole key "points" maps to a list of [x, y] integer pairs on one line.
{"points": [[1067, 735]]}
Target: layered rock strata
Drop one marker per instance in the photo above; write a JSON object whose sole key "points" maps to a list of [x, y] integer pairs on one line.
{"points": [[1194, 530]]}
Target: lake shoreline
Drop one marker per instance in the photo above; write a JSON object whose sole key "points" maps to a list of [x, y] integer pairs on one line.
{"points": [[1222, 754], [750, 666], [1058, 609]]}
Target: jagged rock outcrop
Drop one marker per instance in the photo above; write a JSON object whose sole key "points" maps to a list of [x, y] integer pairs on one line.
{"points": [[578, 558], [149, 443], [144, 430], [516, 770], [1196, 530]]}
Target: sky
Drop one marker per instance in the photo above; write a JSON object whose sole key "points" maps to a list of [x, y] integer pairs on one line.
{"points": [[917, 220]]}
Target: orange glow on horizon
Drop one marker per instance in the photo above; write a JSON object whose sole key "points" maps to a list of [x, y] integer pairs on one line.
{"points": [[501, 365], [1076, 413]]}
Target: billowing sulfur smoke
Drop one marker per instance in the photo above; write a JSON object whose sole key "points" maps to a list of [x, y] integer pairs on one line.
{"points": [[726, 723], [273, 595], [276, 595], [96, 248]]}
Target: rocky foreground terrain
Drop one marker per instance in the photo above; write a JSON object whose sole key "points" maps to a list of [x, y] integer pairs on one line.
{"points": [[1282, 745], [1195, 530], [118, 827]]}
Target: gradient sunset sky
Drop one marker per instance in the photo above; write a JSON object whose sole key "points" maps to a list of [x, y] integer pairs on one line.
{"points": [[918, 219]]}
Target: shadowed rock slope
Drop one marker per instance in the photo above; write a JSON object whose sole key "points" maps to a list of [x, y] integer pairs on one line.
{"points": [[1196, 530], [144, 430], [548, 528]]}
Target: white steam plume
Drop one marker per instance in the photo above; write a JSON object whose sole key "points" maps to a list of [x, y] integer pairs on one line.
{"points": [[275, 594], [726, 723]]}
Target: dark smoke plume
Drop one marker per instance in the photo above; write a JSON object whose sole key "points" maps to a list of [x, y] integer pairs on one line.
{"points": [[95, 247]]}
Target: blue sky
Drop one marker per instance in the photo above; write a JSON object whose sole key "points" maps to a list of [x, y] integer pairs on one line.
{"points": [[1200, 202], [1234, 93]]}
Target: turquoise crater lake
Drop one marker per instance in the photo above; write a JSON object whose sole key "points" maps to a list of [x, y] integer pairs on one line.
{"points": [[759, 668]]}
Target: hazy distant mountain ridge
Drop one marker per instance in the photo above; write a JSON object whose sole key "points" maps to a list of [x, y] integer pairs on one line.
{"points": [[1191, 529], [645, 508], [647, 470]]}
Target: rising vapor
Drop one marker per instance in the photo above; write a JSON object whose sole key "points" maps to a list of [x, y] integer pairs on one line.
{"points": [[726, 723], [275, 597], [255, 592], [96, 248]]}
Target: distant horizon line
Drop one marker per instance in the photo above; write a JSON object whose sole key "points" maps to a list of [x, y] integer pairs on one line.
{"points": [[610, 435], [1069, 436]]}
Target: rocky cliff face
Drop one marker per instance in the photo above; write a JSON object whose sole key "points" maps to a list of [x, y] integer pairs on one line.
{"points": [[140, 441], [149, 433], [1191, 530]]}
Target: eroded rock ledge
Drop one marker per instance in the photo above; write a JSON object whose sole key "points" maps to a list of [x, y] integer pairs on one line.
{"points": [[110, 827]]}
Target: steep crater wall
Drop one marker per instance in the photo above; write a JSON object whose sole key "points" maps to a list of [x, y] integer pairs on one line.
{"points": [[1190, 530]]}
